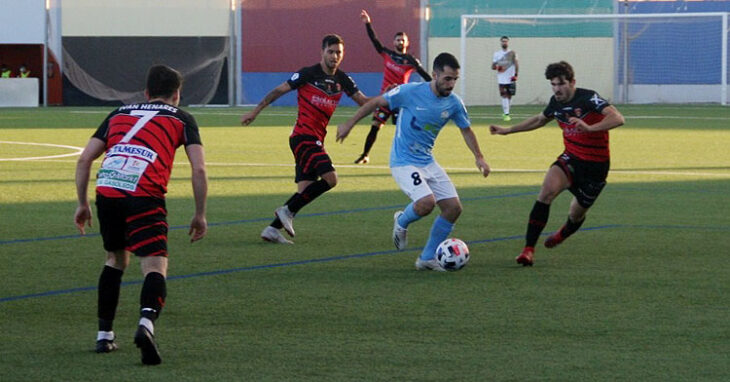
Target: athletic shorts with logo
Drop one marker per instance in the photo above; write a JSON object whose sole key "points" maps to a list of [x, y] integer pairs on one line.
{"points": [[417, 182], [587, 178], [510, 89], [135, 224], [310, 158]]}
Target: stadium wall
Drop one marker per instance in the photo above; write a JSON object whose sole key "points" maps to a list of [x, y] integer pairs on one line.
{"points": [[676, 84], [648, 82], [109, 45], [593, 71], [280, 37], [534, 53]]}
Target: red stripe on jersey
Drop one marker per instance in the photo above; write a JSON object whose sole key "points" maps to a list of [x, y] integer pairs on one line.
{"points": [[145, 227], [158, 210], [393, 72], [145, 242], [315, 110], [311, 158], [163, 134], [299, 146], [590, 146]]}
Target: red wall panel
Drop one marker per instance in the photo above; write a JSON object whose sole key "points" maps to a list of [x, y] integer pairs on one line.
{"points": [[284, 35]]}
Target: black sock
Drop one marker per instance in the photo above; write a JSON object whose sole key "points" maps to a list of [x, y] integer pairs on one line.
{"points": [[570, 227], [152, 298], [308, 195], [370, 140], [108, 296], [538, 218], [277, 223]]}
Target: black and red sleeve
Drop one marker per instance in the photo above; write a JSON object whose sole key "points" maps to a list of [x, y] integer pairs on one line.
{"points": [[102, 132], [371, 33]]}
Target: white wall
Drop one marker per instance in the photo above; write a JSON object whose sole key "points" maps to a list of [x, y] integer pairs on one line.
{"points": [[18, 92], [591, 58], [178, 18], [22, 21]]}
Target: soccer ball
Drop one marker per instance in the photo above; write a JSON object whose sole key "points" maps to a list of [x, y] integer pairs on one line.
{"points": [[452, 254]]}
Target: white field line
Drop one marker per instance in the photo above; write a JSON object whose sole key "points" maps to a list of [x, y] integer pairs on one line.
{"points": [[78, 151], [386, 168], [471, 115]]}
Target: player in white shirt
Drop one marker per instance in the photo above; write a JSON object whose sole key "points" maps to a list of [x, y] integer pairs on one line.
{"points": [[505, 63]]}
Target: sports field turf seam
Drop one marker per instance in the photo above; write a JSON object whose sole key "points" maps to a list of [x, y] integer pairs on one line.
{"points": [[351, 256]]}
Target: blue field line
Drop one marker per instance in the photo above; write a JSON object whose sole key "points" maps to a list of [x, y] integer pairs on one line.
{"points": [[333, 258], [265, 219], [666, 226], [252, 268]]}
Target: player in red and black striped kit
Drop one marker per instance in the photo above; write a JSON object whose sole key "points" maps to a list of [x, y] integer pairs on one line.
{"points": [[582, 168], [398, 65], [319, 89], [139, 142]]}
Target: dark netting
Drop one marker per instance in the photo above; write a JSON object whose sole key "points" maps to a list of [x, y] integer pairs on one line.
{"points": [[114, 68]]}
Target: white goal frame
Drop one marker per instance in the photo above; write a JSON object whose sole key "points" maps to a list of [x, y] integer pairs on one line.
{"points": [[621, 93]]}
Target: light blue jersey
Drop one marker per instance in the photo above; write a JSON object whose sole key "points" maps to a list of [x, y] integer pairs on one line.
{"points": [[421, 117]]}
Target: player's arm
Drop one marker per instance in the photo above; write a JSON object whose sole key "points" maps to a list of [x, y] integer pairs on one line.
{"points": [[273, 95], [365, 17], [93, 150], [612, 118], [199, 224], [420, 70], [360, 98], [517, 68], [495, 66], [531, 123], [471, 142], [344, 129]]}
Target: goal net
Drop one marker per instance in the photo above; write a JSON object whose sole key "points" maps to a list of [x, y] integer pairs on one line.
{"points": [[631, 58]]}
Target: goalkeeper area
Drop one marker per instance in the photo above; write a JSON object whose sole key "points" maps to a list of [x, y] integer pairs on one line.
{"points": [[629, 59], [635, 295]]}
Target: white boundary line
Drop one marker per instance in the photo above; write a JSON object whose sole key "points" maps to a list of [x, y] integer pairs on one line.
{"points": [[78, 151], [471, 115], [244, 164]]}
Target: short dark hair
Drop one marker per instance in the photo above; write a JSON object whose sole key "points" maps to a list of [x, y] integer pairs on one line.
{"points": [[504, 38], [560, 69], [163, 81], [332, 39], [400, 34], [445, 59]]}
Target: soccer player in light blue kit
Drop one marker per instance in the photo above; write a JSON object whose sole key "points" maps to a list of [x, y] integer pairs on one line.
{"points": [[425, 108]]}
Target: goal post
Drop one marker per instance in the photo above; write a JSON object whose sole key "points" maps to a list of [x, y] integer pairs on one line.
{"points": [[628, 58]]}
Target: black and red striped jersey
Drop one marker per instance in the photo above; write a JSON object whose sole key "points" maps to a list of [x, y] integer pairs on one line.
{"points": [[141, 140], [587, 105], [397, 67], [318, 95]]}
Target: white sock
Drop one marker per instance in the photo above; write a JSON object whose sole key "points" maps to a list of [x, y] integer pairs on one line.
{"points": [[101, 335], [147, 323], [505, 105]]}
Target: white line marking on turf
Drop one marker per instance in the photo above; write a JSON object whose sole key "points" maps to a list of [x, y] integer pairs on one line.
{"points": [[376, 167], [472, 115], [78, 151]]}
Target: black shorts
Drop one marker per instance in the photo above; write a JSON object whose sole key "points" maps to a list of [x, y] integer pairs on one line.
{"points": [[586, 178], [310, 158], [505, 89], [382, 114], [135, 224]]}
